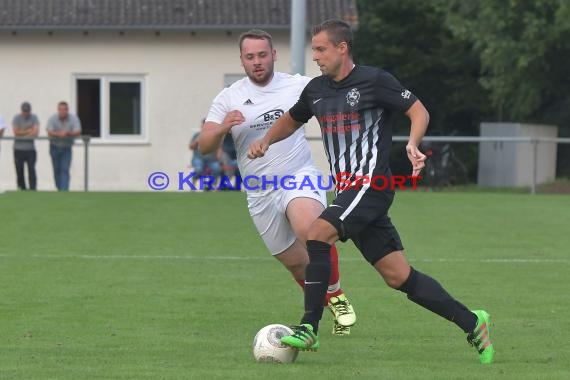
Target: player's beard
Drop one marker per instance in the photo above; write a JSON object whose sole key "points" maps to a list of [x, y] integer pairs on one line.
{"points": [[263, 80]]}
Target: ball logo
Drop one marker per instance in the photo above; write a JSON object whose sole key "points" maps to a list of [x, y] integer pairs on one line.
{"points": [[352, 97], [274, 336], [267, 346]]}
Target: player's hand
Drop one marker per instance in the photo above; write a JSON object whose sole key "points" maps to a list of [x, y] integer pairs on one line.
{"points": [[257, 149], [232, 118], [417, 159]]}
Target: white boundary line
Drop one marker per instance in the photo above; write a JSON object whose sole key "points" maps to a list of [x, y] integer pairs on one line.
{"points": [[256, 258]]}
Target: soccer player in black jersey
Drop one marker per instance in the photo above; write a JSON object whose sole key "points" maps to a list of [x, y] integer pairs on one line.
{"points": [[355, 106]]}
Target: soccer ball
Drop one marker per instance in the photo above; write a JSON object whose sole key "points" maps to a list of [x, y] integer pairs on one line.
{"points": [[267, 346]]}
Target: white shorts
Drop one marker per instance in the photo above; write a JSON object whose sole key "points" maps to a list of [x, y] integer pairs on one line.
{"points": [[268, 209]]}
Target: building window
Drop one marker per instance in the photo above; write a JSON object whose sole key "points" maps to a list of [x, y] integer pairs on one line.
{"points": [[229, 79], [111, 108], [89, 106], [125, 108]]}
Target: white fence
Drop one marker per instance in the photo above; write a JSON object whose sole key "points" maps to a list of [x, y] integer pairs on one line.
{"points": [[85, 142], [533, 141]]}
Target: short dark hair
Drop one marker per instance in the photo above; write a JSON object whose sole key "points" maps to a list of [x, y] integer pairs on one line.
{"points": [[26, 107], [337, 30], [256, 34], [63, 103]]}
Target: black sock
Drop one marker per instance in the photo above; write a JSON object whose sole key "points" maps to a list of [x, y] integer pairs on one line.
{"points": [[316, 281], [427, 292]]}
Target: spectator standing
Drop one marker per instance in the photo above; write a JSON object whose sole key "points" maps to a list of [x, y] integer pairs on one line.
{"points": [[26, 125], [62, 128]]}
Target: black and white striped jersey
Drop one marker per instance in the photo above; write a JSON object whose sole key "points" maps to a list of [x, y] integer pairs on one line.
{"points": [[356, 117]]}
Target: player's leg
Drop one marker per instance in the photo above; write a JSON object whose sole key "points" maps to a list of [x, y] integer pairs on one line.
{"points": [[65, 156], [301, 212], [276, 233], [380, 244], [331, 226], [28, 167], [428, 293], [198, 165], [295, 260], [321, 236], [19, 160], [32, 170], [216, 169], [349, 213], [56, 163]]}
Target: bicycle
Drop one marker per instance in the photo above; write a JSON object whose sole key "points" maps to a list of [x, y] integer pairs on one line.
{"points": [[443, 167]]}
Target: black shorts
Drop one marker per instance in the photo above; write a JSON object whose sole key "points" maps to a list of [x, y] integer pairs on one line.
{"points": [[362, 216]]}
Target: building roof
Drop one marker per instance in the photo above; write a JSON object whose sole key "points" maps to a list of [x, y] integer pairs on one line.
{"points": [[165, 14]]}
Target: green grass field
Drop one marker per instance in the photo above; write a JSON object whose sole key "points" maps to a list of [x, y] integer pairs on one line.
{"points": [[175, 286]]}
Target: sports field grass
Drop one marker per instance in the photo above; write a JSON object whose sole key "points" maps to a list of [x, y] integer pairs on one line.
{"points": [[175, 286]]}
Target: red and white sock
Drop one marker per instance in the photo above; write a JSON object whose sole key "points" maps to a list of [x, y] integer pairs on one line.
{"points": [[334, 288]]}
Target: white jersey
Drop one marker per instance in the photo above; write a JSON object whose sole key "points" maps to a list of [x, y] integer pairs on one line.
{"points": [[261, 106]]}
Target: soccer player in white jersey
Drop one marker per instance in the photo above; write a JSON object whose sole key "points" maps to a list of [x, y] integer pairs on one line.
{"points": [[247, 109]]}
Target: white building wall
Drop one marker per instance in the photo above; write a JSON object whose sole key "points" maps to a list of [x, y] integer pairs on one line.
{"points": [[183, 73]]}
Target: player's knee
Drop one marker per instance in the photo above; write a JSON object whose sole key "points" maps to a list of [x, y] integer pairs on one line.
{"points": [[395, 279], [297, 269], [301, 234], [313, 234], [394, 282], [322, 230]]}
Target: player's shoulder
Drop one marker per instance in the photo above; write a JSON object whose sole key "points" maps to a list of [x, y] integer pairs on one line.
{"points": [[296, 78], [237, 85], [236, 88], [317, 82], [375, 72], [370, 71]]}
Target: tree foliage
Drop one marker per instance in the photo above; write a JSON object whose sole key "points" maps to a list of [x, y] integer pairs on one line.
{"points": [[408, 38], [524, 50], [472, 61], [494, 60]]}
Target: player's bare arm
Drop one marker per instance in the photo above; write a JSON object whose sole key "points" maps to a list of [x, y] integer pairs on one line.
{"points": [[284, 127], [419, 118], [213, 133]]}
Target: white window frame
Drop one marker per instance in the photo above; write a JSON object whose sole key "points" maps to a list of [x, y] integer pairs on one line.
{"points": [[105, 81]]}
